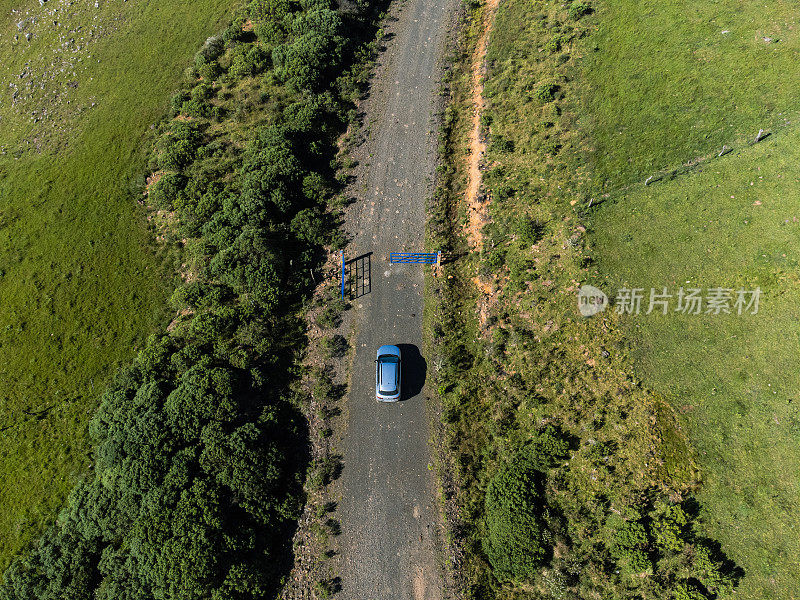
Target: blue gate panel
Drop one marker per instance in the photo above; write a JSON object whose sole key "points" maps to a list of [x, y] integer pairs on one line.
{"points": [[413, 257]]}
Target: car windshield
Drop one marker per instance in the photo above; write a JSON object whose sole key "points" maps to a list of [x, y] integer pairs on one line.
{"points": [[389, 358]]}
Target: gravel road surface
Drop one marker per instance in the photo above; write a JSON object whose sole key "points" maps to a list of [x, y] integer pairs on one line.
{"points": [[388, 514]]}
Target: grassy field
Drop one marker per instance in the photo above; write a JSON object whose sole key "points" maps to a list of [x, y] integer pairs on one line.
{"points": [[81, 284], [587, 105], [667, 82], [734, 224], [671, 80], [512, 354]]}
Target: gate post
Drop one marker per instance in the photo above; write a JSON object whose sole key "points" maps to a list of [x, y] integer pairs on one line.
{"points": [[342, 274]]}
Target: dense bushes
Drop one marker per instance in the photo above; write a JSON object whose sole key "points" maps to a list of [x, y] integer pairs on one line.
{"points": [[178, 148], [164, 192], [579, 9], [199, 445], [186, 486], [513, 542], [315, 50], [517, 540], [654, 544]]}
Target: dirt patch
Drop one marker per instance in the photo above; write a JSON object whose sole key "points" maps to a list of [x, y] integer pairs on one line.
{"points": [[477, 200], [179, 317]]}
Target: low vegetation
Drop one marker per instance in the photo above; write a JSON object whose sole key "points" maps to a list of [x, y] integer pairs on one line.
{"points": [[732, 224], [199, 457], [653, 485], [81, 282]]}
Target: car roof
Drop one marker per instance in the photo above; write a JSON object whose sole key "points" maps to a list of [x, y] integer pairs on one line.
{"points": [[388, 376]]}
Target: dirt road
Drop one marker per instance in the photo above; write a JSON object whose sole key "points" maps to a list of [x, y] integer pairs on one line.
{"points": [[387, 511]]}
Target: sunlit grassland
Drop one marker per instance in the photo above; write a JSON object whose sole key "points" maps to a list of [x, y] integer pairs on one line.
{"points": [[646, 87], [667, 81], [733, 224], [82, 284], [664, 83]]}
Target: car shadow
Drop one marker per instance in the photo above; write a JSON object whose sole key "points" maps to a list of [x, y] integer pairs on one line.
{"points": [[415, 369]]}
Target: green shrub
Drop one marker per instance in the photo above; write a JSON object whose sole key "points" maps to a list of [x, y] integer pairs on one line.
{"points": [[709, 569], [202, 91], [529, 230], [513, 542], [308, 225], [686, 591], [272, 173], [554, 44], [547, 447], [492, 260], [315, 50], [247, 62], [546, 92], [209, 71], [519, 266], [324, 470], [195, 108], [638, 561], [165, 191], [178, 100], [331, 315], [314, 187], [334, 346], [666, 527], [551, 146], [579, 9], [630, 534], [234, 33], [274, 11], [270, 34], [179, 146], [504, 192], [500, 144], [629, 545]]}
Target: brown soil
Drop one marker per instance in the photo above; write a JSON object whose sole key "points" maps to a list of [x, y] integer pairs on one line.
{"points": [[476, 198], [476, 201]]}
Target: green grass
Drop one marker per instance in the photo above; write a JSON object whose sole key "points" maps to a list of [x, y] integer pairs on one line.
{"points": [[641, 87], [81, 283], [733, 377], [664, 84], [518, 358]]}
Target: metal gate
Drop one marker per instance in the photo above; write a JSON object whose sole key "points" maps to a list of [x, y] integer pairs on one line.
{"points": [[427, 258]]}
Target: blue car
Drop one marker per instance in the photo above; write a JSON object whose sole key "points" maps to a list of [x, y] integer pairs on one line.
{"points": [[387, 374]]}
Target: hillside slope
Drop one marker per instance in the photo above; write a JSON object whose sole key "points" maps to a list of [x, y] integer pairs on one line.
{"points": [[81, 282]]}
